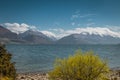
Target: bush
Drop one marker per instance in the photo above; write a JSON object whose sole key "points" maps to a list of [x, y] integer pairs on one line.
{"points": [[7, 69], [6, 78], [80, 66]]}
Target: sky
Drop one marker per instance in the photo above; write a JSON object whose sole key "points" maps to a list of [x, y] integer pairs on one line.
{"points": [[58, 15]]}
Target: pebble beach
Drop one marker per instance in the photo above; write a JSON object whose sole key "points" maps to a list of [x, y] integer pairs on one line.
{"points": [[114, 75], [32, 76]]}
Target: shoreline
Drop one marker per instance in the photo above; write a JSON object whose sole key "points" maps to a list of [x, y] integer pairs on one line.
{"points": [[113, 75], [32, 76]]}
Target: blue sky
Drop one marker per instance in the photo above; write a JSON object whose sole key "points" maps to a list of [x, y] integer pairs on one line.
{"points": [[62, 14]]}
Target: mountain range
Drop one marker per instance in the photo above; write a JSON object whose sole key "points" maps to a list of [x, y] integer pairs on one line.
{"points": [[88, 39], [29, 37], [37, 37]]}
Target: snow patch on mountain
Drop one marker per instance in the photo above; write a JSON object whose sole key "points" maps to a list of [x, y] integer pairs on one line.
{"points": [[101, 31], [97, 31], [59, 33], [49, 34], [18, 28]]}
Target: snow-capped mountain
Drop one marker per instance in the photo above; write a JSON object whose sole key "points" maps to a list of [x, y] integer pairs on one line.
{"points": [[33, 36], [90, 35], [87, 38], [102, 31], [30, 36], [77, 36], [5, 33], [7, 36], [98, 31], [50, 35]]}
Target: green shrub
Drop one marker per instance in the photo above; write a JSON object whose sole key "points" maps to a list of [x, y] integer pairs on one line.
{"points": [[7, 69], [80, 66]]}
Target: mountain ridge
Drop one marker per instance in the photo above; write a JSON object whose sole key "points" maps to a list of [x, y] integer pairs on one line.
{"points": [[35, 37], [88, 39], [28, 37], [38, 37]]}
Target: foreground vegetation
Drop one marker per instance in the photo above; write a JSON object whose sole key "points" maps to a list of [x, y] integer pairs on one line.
{"points": [[80, 66], [7, 69]]}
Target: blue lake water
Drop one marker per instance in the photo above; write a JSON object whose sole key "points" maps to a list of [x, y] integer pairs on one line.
{"points": [[40, 58]]}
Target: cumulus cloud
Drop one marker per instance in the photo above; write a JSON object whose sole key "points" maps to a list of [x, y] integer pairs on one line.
{"points": [[18, 28]]}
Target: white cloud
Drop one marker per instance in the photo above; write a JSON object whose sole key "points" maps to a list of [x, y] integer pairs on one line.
{"points": [[90, 24], [18, 28], [78, 24], [98, 31], [75, 16], [59, 33], [86, 15], [102, 31], [114, 28], [57, 30], [73, 23], [78, 15]]}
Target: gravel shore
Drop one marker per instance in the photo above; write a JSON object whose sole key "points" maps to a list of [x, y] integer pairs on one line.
{"points": [[114, 75], [32, 76]]}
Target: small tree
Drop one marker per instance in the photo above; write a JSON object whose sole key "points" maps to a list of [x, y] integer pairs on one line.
{"points": [[80, 66], [7, 69]]}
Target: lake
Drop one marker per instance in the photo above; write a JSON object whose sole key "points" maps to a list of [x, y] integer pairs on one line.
{"points": [[40, 58]]}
